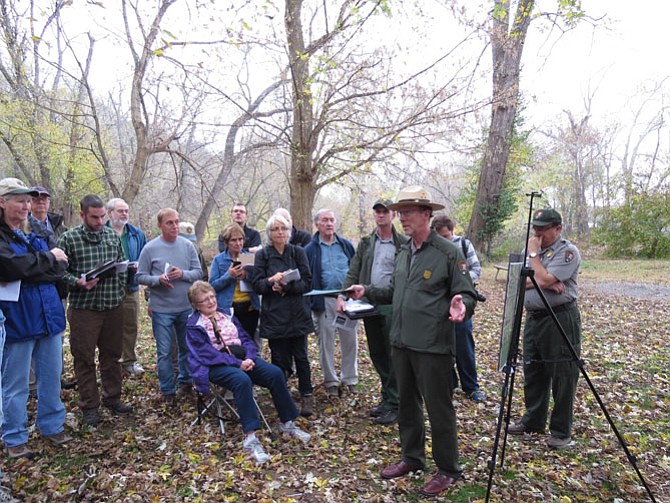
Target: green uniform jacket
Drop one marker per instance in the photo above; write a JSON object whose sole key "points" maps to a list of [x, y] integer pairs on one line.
{"points": [[421, 295], [360, 267]]}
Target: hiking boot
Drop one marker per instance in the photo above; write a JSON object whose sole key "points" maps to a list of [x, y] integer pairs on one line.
{"points": [[170, 400], [333, 391], [58, 439], [377, 410], [477, 396], [185, 389], [91, 417], [521, 428], [351, 389], [306, 405], [20, 451], [558, 443], [389, 416], [68, 384], [289, 428], [253, 448], [120, 408]]}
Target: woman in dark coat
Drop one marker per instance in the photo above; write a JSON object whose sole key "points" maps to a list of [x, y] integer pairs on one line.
{"points": [[285, 318]]}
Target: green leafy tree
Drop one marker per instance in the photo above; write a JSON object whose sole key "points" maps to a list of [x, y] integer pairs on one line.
{"points": [[640, 228]]}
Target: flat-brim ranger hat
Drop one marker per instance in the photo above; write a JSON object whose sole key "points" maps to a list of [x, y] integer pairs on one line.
{"points": [[414, 195]]}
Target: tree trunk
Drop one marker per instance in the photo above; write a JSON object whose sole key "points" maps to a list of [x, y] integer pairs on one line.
{"points": [[507, 46], [303, 173]]}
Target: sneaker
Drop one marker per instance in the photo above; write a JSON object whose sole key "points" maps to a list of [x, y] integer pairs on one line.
{"points": [[333, 391], [558, 443], [351, 389], [120, 408], [6, 496], [389, 416], [252, 446], [134, 369], [20, 451], [477, 396], [292, 430], [58, 439], [91, 417]]}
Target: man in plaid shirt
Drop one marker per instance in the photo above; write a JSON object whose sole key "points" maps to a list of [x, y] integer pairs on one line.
{"points": [[95, 310]]}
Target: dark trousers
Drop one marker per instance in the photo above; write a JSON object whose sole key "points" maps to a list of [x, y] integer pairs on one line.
{"points": [[241, 383], [102, 330], [550, 371], [377, 332], [426, 378], [248, 318], [465, 357], [288, 349]]}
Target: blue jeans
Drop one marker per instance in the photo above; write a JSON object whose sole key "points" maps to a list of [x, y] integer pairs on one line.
{"points": [[240, 383], [166, 326], [48, 356], [465, 357]]}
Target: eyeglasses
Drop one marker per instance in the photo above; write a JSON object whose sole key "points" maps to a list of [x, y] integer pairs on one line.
{"points": [[206, 300], [279, 229]]}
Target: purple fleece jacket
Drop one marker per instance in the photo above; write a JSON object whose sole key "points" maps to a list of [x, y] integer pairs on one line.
{"points": [[202, 354]]}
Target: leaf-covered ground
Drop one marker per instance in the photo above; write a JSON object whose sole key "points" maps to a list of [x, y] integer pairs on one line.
{"points": [[159, 455]]}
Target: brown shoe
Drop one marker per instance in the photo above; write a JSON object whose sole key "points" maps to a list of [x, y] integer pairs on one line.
{"points": [[437, 484], [399, 469], [20, 451], [333, 391], [306, 405], [58, 439], [521, 428]]}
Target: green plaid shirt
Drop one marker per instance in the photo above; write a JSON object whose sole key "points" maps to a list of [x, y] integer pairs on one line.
{"points": [[86, 249]]}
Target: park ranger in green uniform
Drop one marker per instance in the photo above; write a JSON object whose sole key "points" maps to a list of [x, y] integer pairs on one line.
{"points": [[549, 366], [431, 290]]}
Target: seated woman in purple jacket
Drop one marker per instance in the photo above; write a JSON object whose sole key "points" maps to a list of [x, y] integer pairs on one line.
{"points": [[220, 351]]}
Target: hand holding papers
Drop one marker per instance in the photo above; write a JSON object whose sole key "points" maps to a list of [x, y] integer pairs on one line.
{"points": [[356, 309]]}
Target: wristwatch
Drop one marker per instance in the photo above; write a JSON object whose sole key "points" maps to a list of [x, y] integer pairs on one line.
{"points": [[532, 254]]}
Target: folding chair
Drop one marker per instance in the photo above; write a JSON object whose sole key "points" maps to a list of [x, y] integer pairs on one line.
{"points": [[220, 403]]}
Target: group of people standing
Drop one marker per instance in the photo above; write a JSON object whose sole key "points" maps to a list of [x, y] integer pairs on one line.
{"points": [[421, 284]]}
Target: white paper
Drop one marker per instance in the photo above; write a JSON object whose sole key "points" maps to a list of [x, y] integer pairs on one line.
{"points": [[122, 267], [343, 322], [9, 291]]}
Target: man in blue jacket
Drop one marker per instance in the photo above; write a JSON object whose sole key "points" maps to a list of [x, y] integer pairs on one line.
{"points": [[132, 241], [329, 255]]}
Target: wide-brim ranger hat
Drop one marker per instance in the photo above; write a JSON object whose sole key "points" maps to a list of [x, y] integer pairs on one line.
{"points": [[14, 187], [546, 216], [414, 195]]}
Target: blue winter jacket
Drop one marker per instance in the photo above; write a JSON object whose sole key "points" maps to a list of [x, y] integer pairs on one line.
{"points": [[313, 251], [39, 311], [224, 284], [136, 241]]}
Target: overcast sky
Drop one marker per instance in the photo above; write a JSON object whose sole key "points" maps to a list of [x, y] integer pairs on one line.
{"points": [[610, 61]]}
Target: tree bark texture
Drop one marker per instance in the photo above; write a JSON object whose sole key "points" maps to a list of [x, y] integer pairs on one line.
{"points": [[508, 35]]}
